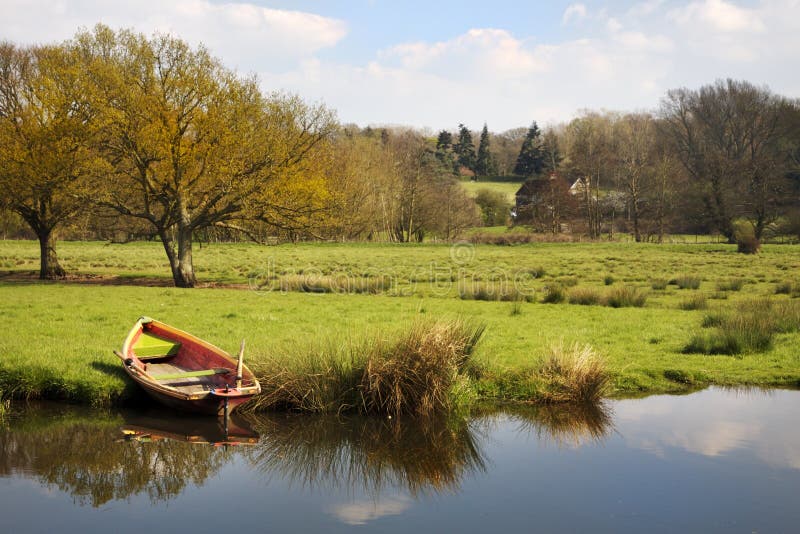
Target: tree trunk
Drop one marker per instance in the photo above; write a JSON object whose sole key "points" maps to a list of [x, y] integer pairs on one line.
{"points": [[722, 219], [637, 234], [49, 268], [185, 266], [180, 260]]}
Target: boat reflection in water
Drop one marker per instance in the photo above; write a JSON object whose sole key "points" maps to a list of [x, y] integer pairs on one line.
{"points": [[98, 456], [227, 431], [81, 452]]}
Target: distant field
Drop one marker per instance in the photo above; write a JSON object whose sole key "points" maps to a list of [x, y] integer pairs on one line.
{"points": [[59, 336], [508, 189], [427, 270]]}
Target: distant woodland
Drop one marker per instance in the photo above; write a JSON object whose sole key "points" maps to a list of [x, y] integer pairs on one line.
{"points": [[115, 135]]}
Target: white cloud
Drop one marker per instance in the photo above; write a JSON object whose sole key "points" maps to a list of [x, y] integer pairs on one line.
{"points": [[243, 35], [485, 50], [718, 15], [485, 75], [623, 59], [364, 511], [573, 12], [713, 423]]}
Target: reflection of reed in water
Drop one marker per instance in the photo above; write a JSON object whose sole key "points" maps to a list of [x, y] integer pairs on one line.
{"points": [[368, 453], [565, 424], [80, 452]]}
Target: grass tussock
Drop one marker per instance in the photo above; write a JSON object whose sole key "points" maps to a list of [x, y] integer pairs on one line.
{"points": [[751, 327], [565, 374], [626, 297], [686, 282], [332, 284], [694, 302], [730, 284], [788, 287], [420, 371], [519, 238], [494, 292], [615, 297], [659, 284], [317, 379], [554, 294], [584, 296], [417, 373], [574, 374]]}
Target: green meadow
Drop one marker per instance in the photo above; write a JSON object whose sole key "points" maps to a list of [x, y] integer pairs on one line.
{"points": [[508, 189], [58, 337]]}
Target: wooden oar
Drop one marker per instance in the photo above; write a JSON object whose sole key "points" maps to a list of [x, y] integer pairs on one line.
{"points": [[136, 368], [239, 366]]}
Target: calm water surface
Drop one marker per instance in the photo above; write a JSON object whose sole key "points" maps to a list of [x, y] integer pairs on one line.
{"points": [[713, 461]]}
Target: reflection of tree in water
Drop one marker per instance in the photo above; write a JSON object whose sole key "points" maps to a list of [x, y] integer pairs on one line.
{"points": [[81, 452], [565, 424], [83, 455], [368, 453]]}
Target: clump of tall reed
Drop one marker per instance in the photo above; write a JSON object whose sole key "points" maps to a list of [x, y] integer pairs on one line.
{"points": [[686, 282], [518, 238], [505, 292], [751, 327], [322, 377], [416, 373], [574, 374], [625, 297], [554, 294], [658, 284], [787, 287], [585, 296], [731, 284], [695, 302], [422, 370], [615, 297], [331, 284], [783, 288]]}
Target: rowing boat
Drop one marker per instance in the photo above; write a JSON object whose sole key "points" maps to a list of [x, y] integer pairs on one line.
{"points": [[183, 371]]}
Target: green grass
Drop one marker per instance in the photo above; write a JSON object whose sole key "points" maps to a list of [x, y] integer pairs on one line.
{"points": [[59, 336], [509, 189]]}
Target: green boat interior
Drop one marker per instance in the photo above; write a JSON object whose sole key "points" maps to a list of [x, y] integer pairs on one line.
{"points": [[151, 347]]}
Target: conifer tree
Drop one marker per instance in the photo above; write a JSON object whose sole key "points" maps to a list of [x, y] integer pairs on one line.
{"points": [[531, 159], [464, 149], [484, 165], [444, 151]]}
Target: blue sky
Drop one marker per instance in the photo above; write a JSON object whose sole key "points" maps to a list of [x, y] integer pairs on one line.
{"points": [[378, 24], [435, 64]]}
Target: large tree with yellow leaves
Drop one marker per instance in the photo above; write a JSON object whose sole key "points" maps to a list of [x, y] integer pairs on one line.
{"points": [[187, 144], [45, 149]]}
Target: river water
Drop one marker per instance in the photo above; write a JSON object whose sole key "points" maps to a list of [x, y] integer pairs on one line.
{"points": [[713, 461]]}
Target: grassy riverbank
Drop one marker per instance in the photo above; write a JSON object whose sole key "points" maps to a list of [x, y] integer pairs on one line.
{"points": [[662, 318]]}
